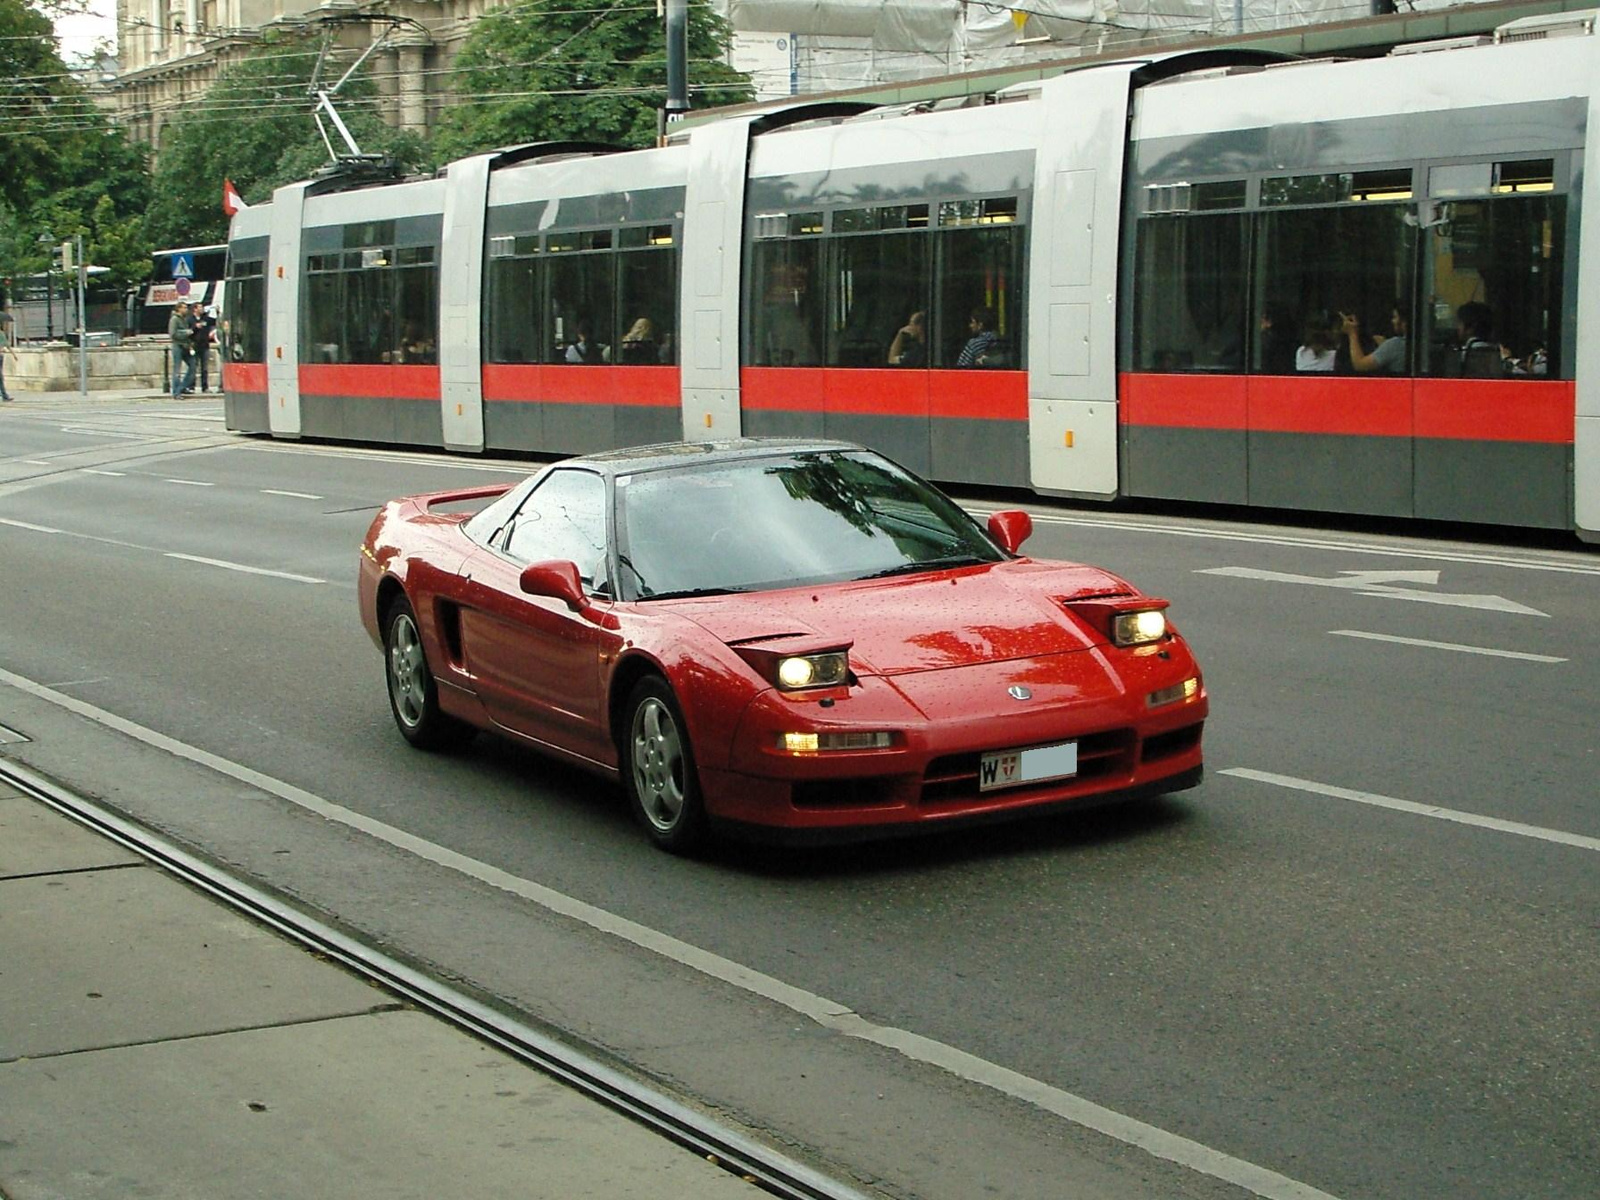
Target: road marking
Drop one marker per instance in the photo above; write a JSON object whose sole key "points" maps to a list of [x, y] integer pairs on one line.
{"points": [[92, 471], [191, 483], [36, 462], [1381, 584], [828, 1013], [1438, 554], [110, 433], [27, 525], [233, 566], [520, 470], [1405, 641], [296, 495], [1558, 836]]}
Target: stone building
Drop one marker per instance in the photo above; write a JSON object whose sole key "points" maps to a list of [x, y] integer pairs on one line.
{"points": [[172, 51]]}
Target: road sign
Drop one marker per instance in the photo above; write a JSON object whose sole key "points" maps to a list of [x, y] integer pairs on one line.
{"points": [[181, 285], [182, 266]]}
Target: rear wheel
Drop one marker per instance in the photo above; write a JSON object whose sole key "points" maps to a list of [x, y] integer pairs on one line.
{"points": [[659, 770], [413, 694]]}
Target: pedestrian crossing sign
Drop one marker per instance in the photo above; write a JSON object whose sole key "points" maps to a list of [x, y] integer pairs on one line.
{"points": [[182, 266]]}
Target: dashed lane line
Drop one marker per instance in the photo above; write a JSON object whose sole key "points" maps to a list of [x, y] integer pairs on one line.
{"points": [[1559, 836], [1456, 646], [226, 565], [241, 567]]}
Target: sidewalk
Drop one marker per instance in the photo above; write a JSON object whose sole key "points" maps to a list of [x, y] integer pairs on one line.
{"points": [[155, 1043], [21, 399]]}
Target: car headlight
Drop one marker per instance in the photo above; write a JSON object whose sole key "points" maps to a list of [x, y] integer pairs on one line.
{"points": [[813, 670], [1138, 628]]}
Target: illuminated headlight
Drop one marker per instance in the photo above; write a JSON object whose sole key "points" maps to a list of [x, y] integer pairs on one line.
{"points": [[1137, 628], [811, 743], [1186, 690], [813, 670]]}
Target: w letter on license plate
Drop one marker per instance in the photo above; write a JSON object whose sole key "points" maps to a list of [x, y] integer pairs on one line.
{"points": [[1008, 768]]}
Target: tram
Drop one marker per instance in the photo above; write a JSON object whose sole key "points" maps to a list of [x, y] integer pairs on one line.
{"points": [[1350, 286]]}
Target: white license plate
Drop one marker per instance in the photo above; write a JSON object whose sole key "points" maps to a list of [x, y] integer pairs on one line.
{"points": [[1008, 768]]}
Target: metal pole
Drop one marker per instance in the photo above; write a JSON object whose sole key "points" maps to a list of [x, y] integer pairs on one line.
{"points": [[83, 326], [50, 298], [677, 57]]}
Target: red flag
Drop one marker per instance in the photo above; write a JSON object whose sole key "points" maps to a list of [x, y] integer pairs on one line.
{"points": [[230, 198]]}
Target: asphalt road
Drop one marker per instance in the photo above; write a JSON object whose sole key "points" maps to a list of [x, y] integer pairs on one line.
{"points": [[1361, 958]]}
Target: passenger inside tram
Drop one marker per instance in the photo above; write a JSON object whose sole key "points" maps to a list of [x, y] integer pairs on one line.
{"points": [[1318, 349], [1388, 356], [639, 343], [910, 345]]}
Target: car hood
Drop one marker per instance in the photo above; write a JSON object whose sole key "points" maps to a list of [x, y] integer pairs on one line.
{"points": [[956, 618]]}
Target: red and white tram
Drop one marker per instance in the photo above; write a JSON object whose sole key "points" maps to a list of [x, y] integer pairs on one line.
{"points": [[1167, 277]]}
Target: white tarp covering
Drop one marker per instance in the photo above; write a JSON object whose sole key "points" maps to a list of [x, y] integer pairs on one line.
{"points": [[942, 27]]}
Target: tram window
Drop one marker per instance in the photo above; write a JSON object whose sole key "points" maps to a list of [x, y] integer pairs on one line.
{"points": [[416, 306], [1190, 284], [244, 331], [1316, 265], [1494, 282], [876, 284], [369, 324], [580, 314], [997, 210], [786, 320], [513, 310], [979, 269], [323, 337], [647, 299]]}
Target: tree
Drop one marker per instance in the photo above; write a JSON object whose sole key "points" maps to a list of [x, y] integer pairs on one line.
{"points": [[33, 71], [64, 168], [575, 70], [255, 127]]}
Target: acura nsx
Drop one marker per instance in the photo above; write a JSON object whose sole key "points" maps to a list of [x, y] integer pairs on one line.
{"points": [[782, 639]]}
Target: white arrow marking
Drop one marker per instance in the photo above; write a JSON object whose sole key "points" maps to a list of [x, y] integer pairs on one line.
{"points": [[1378, 583]]}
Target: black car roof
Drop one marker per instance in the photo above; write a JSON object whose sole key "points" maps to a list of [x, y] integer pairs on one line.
{"points": [[663, 455]]}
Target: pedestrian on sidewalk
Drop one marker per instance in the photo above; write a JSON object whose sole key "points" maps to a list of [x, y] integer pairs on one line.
{"points": [[7, 323], [204, 326], [181, 334]]}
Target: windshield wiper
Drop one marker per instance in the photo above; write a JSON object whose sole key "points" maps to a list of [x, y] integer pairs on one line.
{"points": [[688, 592], [929, 564]]}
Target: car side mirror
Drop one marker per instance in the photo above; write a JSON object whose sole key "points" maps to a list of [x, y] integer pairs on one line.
{"points": [[1010, 528], [557, 579]]}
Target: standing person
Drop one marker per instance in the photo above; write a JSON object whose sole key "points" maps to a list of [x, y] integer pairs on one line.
{"points": [[7, 323], [181, 335], [204, 328]]}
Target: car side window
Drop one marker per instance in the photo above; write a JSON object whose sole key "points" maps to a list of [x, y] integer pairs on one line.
{"points": [[564, 518]]}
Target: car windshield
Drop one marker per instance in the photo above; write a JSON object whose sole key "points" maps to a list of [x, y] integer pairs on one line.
{"points": [[757, 524]]}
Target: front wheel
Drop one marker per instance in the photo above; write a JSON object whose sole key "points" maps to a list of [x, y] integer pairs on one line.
{"points": [[413, 694], [659, 771]]}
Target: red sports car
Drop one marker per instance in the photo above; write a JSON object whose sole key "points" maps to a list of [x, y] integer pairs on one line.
{"points": [[786, 639]]}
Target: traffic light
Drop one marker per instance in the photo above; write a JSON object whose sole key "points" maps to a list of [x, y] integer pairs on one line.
{"points": [[66, 255]]}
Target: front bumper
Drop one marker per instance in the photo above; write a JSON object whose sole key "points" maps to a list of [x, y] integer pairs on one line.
{"points": [[943, 724]]}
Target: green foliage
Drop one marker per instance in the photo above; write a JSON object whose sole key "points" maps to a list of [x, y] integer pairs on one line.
{"points": [[64, 168], [255, 128], [560, 70]]}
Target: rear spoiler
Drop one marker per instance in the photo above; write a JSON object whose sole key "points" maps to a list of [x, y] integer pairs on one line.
{"points": [[429, 500]]}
